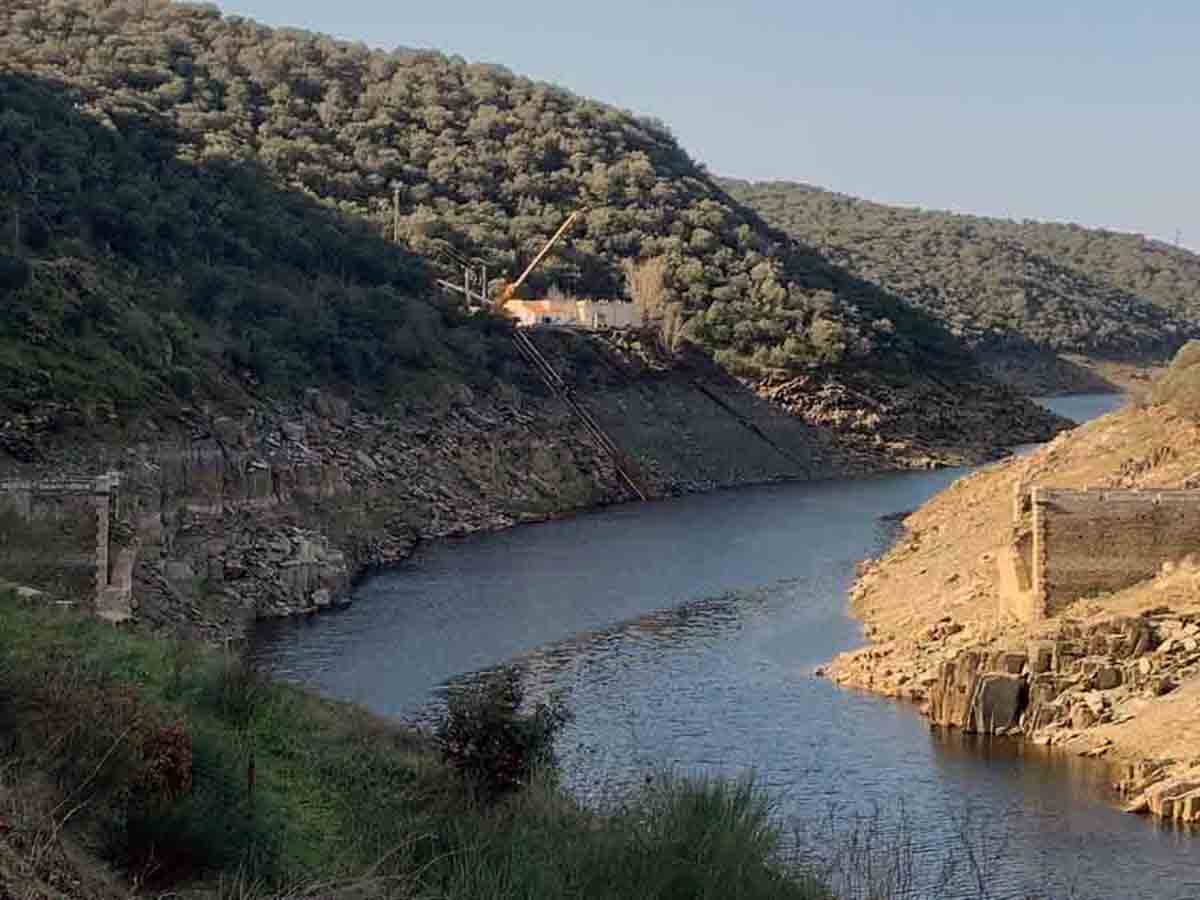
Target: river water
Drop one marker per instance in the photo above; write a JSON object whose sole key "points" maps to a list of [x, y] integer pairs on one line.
{"points": [[684, 635]]}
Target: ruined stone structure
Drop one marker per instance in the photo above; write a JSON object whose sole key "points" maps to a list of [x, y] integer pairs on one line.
{"points": [[1070, 544], [59, 533], [192, 527]]}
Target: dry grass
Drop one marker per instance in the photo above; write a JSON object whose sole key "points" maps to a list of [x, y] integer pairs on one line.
{"points": [[646, 285], [1180, 385]]}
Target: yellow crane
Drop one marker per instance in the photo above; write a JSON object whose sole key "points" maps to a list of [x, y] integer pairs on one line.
{"points": [[509, 291]]}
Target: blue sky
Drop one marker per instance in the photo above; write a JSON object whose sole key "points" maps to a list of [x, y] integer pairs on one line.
{"points": [[1086, 112]]}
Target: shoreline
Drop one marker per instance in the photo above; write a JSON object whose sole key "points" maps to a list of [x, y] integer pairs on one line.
{"points": [[277, 508], [367, 571], [1103, 678]]}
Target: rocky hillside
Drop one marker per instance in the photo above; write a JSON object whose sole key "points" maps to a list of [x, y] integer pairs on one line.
{"points": [[1000, 284], [178, 144], [274, 510], [1116, 676], [200, 288]]}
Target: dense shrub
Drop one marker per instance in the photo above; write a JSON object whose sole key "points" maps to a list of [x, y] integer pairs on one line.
{"points": [[14, 273], [253, 170], [491, 741], [119, 760], [234, 691], [181, 269], [213, 825], [996, 281]]}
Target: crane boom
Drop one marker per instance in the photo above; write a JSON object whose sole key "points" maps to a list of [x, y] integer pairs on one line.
{"points": [[511, 289]]}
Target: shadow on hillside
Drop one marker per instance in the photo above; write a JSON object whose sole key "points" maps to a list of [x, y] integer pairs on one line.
{"points": [[1036, 371], [934, 345], [289, 291], [152, 266], [129, 161]]}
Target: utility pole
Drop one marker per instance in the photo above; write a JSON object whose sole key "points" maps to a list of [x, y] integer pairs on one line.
{"points": [[1178, 238]]}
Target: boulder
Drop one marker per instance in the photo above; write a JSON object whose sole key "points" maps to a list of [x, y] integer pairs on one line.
{"points": [[1162, 685], [1042, 708], [1177, 800], [1043, 714], [1066, 653], [1187, 807], [1106, 678], [1095, 702], [327, 406], [295, 431], [179, 573], [1012, 663], [950, 695], [1082, 716], [997, 703], [228, 431], [1143, 639], [1041, 656]]}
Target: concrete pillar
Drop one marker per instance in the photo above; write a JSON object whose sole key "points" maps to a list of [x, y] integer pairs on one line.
{"points": [[104, 503], [1040, 604], [100, 504]]}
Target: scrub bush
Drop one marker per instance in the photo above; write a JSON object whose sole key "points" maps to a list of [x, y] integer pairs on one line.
{"points": [[487, 738]]}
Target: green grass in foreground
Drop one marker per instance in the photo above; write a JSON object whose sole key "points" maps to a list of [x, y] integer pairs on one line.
{"points": [[181, 768]]}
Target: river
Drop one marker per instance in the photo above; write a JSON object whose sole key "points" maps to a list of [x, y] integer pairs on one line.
{"points": [[684, 634]]}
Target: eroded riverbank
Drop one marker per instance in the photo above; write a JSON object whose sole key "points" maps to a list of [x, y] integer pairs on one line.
{"points": [[1115, 677], [685, 634], [276, 508]]}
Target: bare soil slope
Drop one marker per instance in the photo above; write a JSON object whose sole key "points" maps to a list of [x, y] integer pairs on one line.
{"points": [[1121, 674]]}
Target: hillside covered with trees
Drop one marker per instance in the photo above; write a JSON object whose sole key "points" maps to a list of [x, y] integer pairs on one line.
{"points": [[999, 283], [187, 195]]}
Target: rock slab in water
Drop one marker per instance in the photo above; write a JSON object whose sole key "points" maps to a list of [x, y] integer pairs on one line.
{"points": [[996, 704]]}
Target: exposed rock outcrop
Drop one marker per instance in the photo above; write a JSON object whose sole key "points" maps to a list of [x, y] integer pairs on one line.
{"points": [[927, 422], [273, 509], [1115, 676], [274, 514]]}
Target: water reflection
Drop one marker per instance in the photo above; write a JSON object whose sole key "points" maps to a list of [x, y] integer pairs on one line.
{"points": [[549, 667], [684, 634], [465, 605]]}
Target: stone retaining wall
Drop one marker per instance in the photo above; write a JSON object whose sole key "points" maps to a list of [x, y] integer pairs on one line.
{"points": [[1070, 544], [57, 533]]}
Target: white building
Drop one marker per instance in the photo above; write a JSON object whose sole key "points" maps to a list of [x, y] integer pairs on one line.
{"points": [[591, 314]]}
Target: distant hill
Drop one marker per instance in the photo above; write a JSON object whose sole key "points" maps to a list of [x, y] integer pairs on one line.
{"points": [[999, 283], [231, 185]]}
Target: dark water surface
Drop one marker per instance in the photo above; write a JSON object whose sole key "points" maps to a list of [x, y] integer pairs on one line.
{"points": [[684, 634], [1084, 407]]}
